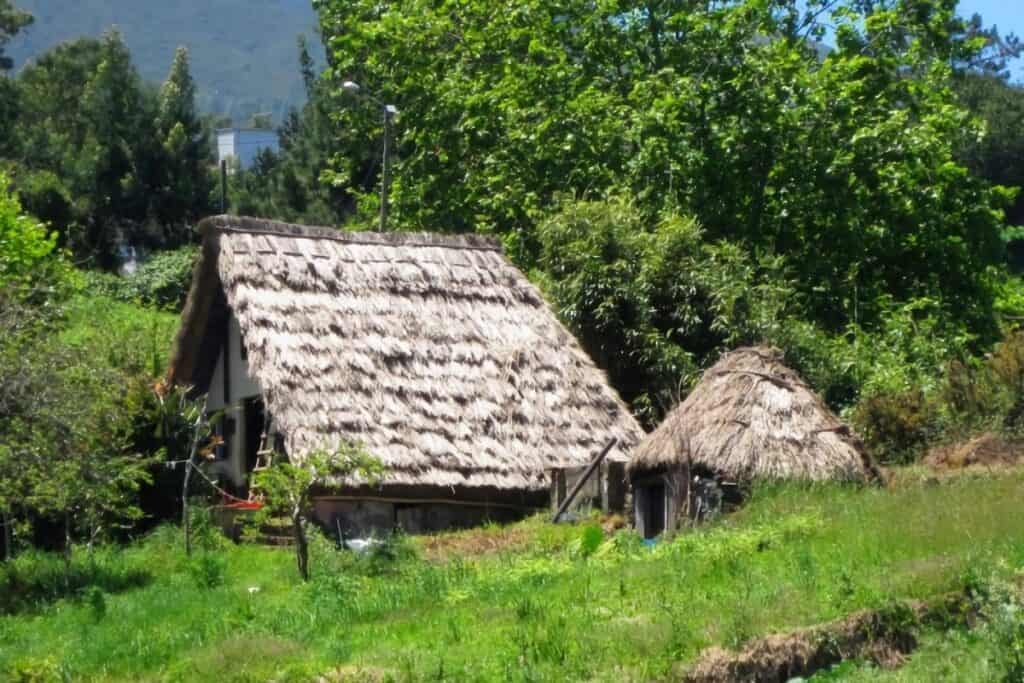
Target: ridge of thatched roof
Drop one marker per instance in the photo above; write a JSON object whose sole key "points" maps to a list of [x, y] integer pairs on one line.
{"points": [[751, 417], [433, 351]]}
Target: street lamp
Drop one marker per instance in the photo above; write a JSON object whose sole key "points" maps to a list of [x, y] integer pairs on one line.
{"points": [[390, 111]]}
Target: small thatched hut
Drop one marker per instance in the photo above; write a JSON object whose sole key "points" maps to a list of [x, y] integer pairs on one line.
{"points": [[749, 418], [433, 352]]}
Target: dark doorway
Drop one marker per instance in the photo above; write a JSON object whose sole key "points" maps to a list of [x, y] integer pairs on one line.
{"points": [[654, 510]]}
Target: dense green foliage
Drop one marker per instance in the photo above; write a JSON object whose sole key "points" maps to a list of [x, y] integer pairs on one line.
{"points": [[162, 281], [102, 157], [27, 259], [76, 410], [243, 54], [686, 108], [648, 303], [12, 20], [80, 423], [551, 605]]}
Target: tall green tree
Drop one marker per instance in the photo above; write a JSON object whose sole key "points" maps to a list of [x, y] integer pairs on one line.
{"points": [[113, 110], [47, 132], [91, 158], [187, 182], [998, 155]]}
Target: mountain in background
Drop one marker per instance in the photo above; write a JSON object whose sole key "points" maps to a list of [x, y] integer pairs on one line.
{"points": [[244, 52]]}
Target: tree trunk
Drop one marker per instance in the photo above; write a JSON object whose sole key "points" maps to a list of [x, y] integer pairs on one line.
{"points": [[301, 544], [5, 521], [67, 538]]}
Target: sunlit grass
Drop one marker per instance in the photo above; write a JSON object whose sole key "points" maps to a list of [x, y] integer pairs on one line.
{"points": [[548, 607]]}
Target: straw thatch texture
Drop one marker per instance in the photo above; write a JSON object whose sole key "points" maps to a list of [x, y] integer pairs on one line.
{"points": [[433, 351], [751, 417]]}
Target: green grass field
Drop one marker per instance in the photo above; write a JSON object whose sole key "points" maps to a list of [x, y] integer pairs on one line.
{"points": [[527, 602]]}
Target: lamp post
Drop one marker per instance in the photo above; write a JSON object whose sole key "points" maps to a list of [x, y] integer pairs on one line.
{"points": [[389, 111]]}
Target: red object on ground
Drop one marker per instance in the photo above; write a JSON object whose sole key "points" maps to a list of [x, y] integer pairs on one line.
{"points": [[244, 505]]}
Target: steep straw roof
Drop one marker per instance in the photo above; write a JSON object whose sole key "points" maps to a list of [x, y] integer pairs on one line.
{"points": [[432, 351], [751, 417]]}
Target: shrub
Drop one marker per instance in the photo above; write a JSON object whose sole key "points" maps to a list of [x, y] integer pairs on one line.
{"points": [[650, 299], [288, 488], [162, 281], [33, 670], [45, 195], [1005, 612], [208, 568], [895, 427], [588, 541], [80, 411], [29, 262]]}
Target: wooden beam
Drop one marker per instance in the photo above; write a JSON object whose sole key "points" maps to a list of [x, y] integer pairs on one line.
{"points": [[583, 480]]}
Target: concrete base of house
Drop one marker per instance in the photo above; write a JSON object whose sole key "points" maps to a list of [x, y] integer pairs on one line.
{"points": [[373, 517], [365, 512], [416, 510]]}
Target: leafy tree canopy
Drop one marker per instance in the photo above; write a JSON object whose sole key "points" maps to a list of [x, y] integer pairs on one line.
{"points": [[845, 165]]}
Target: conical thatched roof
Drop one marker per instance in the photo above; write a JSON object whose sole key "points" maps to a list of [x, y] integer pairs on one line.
{"points": [[751, 417], [433, 351]]}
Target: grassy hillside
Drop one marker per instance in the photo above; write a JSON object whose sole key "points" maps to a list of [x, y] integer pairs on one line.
{"points": [[244, 56], [527, 602]]}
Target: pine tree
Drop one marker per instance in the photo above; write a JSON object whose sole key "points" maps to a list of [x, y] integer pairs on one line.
{"points": [[185, 195], [113, 107]]}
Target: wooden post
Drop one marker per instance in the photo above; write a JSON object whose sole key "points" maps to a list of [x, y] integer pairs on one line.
{"points": [[686, 512], [557, 488], [185, 525], [582, 480], [301, 543]]}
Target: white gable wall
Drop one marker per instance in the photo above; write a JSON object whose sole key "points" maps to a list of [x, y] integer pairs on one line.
{"points": [[240, 386]]}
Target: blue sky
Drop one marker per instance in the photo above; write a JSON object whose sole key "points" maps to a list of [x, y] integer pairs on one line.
{"points": [[1008, 15]]}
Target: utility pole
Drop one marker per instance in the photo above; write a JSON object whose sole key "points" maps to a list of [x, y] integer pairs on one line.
{"points": [[223, 186], [385, 185], [390, 111]]}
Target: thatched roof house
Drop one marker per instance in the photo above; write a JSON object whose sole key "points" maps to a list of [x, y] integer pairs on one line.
{"points": [[751, 417], [432, 351]]}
